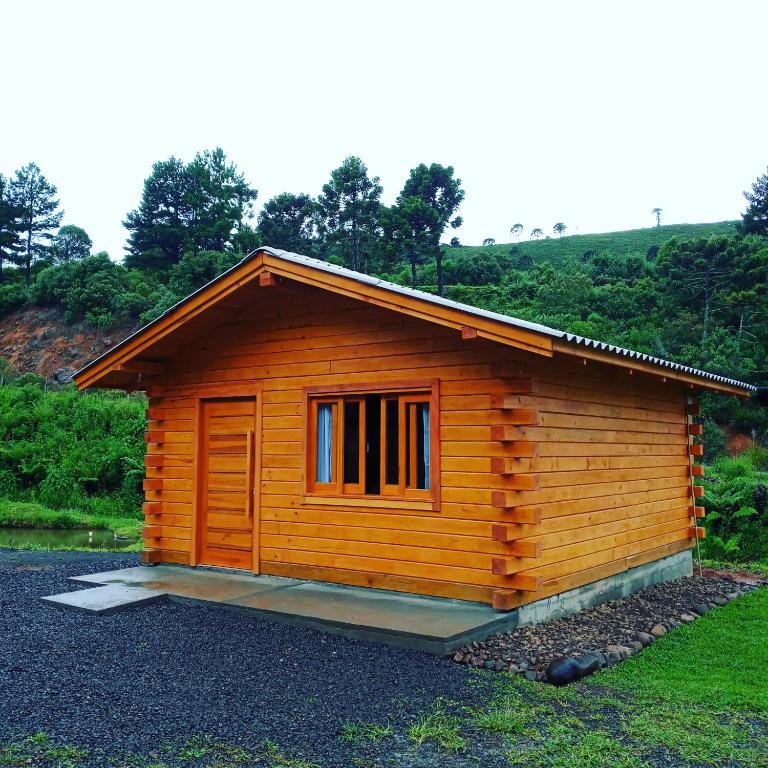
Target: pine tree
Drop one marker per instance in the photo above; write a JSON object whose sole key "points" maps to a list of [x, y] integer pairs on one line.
{"points": [[10, 224], [36, 199], [349, 208]]}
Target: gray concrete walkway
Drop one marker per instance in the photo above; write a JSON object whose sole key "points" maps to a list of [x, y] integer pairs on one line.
{"points": [[429, 624]]}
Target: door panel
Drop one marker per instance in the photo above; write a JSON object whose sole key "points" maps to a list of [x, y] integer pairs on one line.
{"points": [[226, 482]]}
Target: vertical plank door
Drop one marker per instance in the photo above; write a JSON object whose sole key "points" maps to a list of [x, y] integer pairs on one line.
{"points": [[226, 482]]}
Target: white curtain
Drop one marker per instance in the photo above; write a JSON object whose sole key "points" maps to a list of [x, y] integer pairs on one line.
{"points": [[324, 442], [425, 424]]}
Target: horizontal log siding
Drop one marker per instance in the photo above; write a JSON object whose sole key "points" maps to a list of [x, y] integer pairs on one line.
{"points": [[610, 463]]}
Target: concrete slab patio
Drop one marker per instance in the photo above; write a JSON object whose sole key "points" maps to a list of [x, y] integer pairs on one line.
{"points": [[432, 625]]}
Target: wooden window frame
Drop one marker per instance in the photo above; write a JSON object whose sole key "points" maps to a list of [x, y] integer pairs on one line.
{"points": [[407, 392]]}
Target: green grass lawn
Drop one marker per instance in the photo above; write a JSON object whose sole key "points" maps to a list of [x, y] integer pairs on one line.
{"points": [[23, 514], [632, 241]]}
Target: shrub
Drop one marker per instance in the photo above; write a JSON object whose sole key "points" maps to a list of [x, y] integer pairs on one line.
{"points": [[12, 296], [71, 449], [736, 521]]}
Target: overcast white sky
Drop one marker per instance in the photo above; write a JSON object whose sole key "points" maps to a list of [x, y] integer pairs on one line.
{"points": [[590, 113]]}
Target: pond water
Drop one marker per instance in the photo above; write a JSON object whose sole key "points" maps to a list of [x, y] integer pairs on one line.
{"points": [[25, 537]]}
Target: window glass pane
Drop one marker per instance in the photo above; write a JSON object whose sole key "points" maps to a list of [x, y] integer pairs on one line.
{"points": [[422, 445], [352, 442], [417, 445], [373, 444], [392, 426], [324, 443]]}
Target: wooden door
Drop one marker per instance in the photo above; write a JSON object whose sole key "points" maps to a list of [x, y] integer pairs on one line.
{"points": [[226, 483]]}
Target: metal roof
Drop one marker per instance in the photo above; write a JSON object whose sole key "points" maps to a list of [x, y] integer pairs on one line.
{"points": [[507, 319], [360, 277]]}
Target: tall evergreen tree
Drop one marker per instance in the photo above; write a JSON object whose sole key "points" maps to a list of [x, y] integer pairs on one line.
{"points": [[10, 224], [405, 227], [220, 200], [441, 195], [349, 208], [203, 205], [36, 199], [755, 218], [290, 222], [158, 227]]}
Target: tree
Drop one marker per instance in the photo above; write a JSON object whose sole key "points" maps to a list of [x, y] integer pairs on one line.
{"points": [[696, 274], [437, 188], [537, 233], [70, 243], [10, 224], [289, 222], [489, 241], [221, 201], [349, 208], [657, 213], [559, 229], [203, 205], [516, 230], [455, 242], [159, 226], [405, 226], [35, 198], [755, 218]]}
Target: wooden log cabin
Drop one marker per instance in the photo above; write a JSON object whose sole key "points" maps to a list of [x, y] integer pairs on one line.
{"points": [[309, 421]]}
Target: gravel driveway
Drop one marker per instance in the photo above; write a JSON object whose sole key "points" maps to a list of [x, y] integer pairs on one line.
{"points": [[129, 682]]}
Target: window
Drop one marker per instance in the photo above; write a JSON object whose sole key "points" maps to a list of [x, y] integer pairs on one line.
{"points": [[371, 444]]}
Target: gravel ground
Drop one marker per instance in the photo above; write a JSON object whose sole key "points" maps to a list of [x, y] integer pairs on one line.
{"points": [[530, 649], [126, 685], [128, 682]]}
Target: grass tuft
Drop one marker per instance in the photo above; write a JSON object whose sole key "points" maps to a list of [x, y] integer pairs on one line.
{"points": [[439, 726], [358, 732]]}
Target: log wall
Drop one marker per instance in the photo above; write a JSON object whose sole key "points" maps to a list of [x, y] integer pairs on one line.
{"points": [[554, 472]]}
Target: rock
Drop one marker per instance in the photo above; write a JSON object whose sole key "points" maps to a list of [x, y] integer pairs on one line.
{"points": [[658, 630], [458, 656], [592, 661], [62, 375], [645, 638], [612, 658], [732, 595], [106, 341], [625, 652], [636, 646], [700, 608], [720, 601], [531, 675], [35, 344], [673, 623], [489, 664], [562, 671], [612, 648], [499, 665], [687, 618]]}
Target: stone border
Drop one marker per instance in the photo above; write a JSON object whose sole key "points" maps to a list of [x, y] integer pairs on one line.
{"points": [[564, 670]]}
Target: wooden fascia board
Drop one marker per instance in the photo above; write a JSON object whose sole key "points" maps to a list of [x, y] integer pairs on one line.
{"points": [[411, 305], [567, 348], [197, 304]]}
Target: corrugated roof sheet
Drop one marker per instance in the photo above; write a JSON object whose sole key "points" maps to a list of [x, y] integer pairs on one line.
{"points": [[506, 319]]}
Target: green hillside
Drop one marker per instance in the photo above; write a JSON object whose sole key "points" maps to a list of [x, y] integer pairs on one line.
{"points": [[632, 241]]}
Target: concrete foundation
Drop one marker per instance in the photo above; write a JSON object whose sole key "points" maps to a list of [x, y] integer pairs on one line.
{"points": [[669, 568], [430, 624]]}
